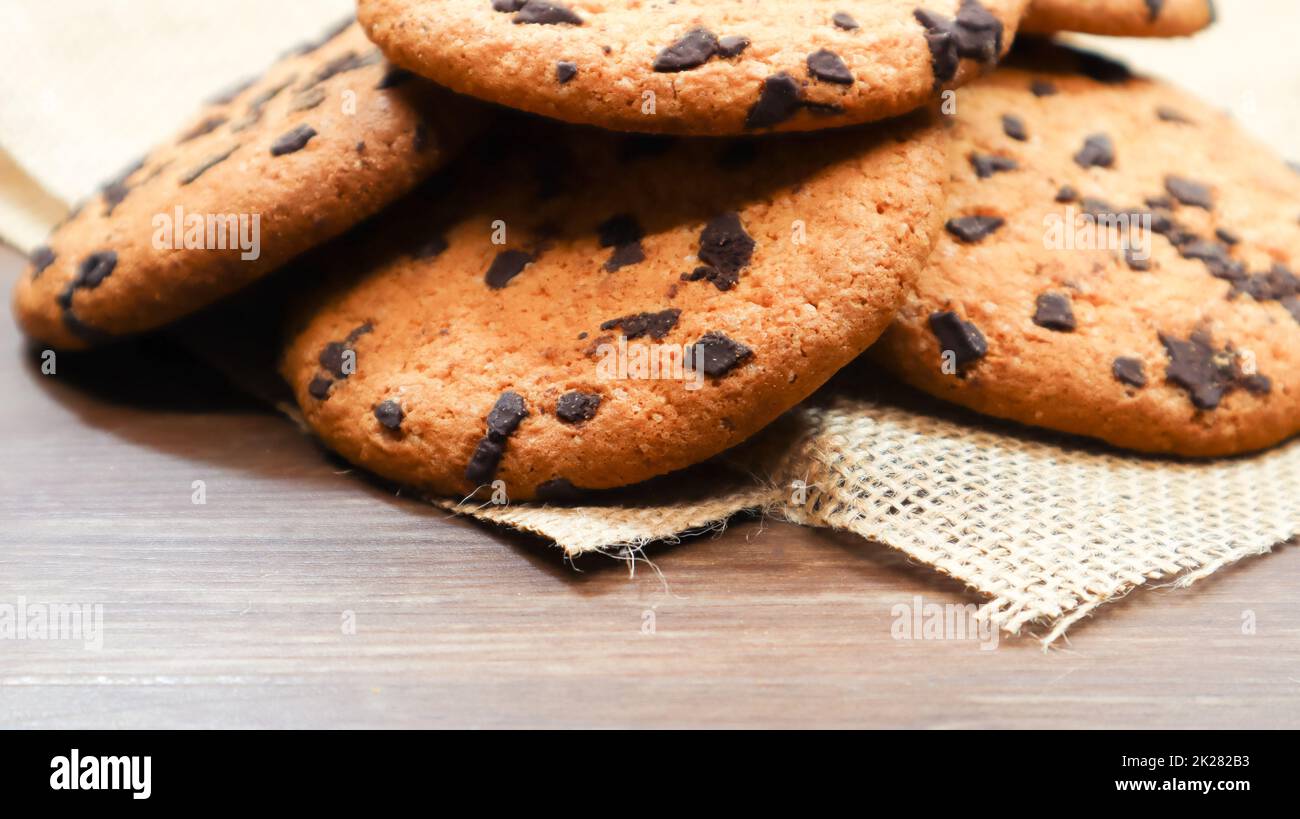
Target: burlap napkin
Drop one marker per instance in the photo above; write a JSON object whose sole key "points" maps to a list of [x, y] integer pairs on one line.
{"points": [[1045, 528], [88, 85]]}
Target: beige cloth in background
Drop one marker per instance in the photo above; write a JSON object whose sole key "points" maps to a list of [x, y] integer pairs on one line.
{"points": [[1046, 528], [87, 86]]}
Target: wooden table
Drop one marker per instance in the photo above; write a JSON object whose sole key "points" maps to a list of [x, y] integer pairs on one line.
{"points": [[239, 612]]}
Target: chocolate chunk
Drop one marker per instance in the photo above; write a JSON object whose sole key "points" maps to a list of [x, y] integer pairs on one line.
{"points": [[844, 20], [1167, 114], [778, 102], [293, 141], [1134, 262], [1043, 88], [485, 461], [508, 5], [576, 407], [1292, 305], [722, 280], [961, 338], [506, 416], [1227, 236], [1014, 127], [1054, 312], [1192, 194], [1206, 373], [1067, 194], [207, 126], [94, 269], [625, 238], [1257, 384], [724, 244], [307, 100], [393, 77], [359, 331], [1129, 371], [732, 46], [691, 51], [828, 67], [1212, 254], [823, 109], [716, 355], [655, 325], [1277, 284], [1098, 151], [971, 229], [546, 12], [625, 256], [977, 32], [1153, 8], [208, 164], [389, 414], [350, 61], [565, 71], [332, 358], [41, 258], [117, 189], [944, 59], [319, 388], [507, 265], [986, 165]]}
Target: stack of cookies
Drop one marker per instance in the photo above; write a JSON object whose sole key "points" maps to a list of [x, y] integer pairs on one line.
{"points": [[553, 247]]}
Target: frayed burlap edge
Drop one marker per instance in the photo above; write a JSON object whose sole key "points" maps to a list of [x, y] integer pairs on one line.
{"points": [[1046, 529]]}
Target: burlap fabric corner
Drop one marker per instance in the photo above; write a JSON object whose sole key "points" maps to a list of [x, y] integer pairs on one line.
{"points": [[1046, 528]]}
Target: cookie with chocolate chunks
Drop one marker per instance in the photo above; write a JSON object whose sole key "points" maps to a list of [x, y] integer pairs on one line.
{"points": [[610, 374], [323, 140], [698, 67], [1120, 18], [1150, 300]]}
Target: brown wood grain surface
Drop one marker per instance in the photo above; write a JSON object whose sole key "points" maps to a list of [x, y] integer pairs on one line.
{"points": [[235, 613]]}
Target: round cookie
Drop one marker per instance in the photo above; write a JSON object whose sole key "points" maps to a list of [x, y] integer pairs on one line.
{"points": [[1120, 18], [326, 138], [583, 309], [1118, 263], [698, 67]]}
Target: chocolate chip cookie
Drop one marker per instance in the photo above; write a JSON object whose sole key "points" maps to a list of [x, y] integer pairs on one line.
{"points": [[1119, 262], [698, 66], [326, 138], [574, 308], [1120, 18]]}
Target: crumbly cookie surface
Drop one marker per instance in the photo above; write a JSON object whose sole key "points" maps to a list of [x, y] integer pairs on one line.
{"points": [[1120, 18], [324, 139], [1035, 309], [698, 66], [572, 308]]}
